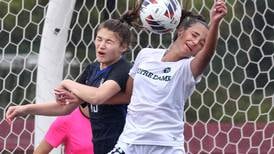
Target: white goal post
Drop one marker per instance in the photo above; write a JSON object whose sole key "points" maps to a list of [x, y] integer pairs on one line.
{"points": [[51, 59]]}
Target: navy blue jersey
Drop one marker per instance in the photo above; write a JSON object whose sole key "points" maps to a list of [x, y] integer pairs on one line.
{"points": [[107, 120]]}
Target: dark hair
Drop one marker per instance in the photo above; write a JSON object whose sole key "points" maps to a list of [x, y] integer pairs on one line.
{"points": [[122, 25], [132, 16], [116, 26], [187, 20]]}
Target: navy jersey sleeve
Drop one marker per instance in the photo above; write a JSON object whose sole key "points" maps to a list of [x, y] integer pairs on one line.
{"points": [[119, 73]]}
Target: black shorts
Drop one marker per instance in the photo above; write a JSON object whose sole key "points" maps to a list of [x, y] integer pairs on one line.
{"points": [[104, 146]]}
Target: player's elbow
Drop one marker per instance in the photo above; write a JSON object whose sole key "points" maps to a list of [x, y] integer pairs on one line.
{"points": [[98, 101]]}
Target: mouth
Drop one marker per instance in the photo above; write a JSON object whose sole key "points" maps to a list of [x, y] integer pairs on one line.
{"points": [[100, 53], [189, 47]]}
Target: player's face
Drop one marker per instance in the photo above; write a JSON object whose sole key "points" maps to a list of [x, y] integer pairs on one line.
{"points": [[108, 47], [192, 40]]}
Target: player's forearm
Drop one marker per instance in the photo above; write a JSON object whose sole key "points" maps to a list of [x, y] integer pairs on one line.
{"points": [[120, 98], [84, 92], [123, 97], [105, 94], [48, 109], [210, 45], [218, 11], [202, 59]]}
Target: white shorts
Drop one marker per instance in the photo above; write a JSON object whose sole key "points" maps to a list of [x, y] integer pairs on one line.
{"points": [[125, 148]]}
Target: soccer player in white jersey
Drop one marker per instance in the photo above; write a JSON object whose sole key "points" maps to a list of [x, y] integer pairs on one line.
{"points": [[162, 81]]}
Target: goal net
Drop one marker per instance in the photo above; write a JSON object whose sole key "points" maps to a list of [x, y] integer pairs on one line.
{"points": [[230, 111]]}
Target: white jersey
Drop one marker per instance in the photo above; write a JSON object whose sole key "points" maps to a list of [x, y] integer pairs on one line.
{"points": [[155, 113]]}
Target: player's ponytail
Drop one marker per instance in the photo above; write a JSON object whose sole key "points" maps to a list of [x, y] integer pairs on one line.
{"points": [[131, 17]]}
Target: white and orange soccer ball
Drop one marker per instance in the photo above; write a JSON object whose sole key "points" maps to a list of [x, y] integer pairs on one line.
{"points": [[160, 16]]}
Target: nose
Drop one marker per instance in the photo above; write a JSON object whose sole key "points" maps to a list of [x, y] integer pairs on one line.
{"points": [[102, 45], [196, 41]]}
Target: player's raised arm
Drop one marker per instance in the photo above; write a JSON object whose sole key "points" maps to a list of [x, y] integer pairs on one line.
{"points": [[201, 60]]}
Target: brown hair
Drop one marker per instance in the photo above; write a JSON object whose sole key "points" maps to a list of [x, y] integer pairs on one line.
{"points": [[122, 25], [116, 26], [187, 20]]}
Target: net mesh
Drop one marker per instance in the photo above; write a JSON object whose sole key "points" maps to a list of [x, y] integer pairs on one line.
{"points": [[231, 110]]}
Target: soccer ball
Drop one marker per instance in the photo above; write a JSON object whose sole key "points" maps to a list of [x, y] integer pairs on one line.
{"points": [[160, 16]]}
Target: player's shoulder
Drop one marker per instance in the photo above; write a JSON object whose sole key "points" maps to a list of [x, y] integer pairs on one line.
{"points": [[122, 63], [92, 65], [90, 68], [151, 52]]}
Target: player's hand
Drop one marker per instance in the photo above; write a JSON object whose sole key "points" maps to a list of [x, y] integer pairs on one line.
{"points": [[60, 93], [65, 97], [61, 96], [14, 111], [218, 11]]}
